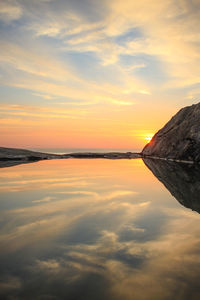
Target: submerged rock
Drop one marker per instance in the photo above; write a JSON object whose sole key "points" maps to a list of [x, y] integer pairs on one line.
{"points": [[179, 139], [182, 180]]}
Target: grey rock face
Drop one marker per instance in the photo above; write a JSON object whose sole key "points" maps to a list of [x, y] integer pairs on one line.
{"points": [[182, 180], [179, 138]]}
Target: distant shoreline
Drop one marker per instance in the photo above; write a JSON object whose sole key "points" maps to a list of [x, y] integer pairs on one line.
{"points": [[15, 156], [68, 150]]}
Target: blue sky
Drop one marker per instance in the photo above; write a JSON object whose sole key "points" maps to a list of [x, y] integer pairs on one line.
{"points": [[77, 64]]}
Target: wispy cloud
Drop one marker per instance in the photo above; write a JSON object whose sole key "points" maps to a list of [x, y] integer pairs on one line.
{"points": [[104, 56], [10, 10]]}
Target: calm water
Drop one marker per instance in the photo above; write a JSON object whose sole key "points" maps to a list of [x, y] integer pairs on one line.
{"points": [[97, 229]]}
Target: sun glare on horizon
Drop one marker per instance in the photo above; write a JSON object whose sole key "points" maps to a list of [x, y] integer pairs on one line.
{"points": [[95, 74], [148, 137]]}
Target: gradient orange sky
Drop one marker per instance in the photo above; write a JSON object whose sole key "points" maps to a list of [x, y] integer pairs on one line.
{"points": [[95, 74]]}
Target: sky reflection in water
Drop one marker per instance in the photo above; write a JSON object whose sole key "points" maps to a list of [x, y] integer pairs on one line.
{"points": [[94, 229]]}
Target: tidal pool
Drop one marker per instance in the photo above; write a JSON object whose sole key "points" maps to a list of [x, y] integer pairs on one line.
{"points": [[95, 229]]}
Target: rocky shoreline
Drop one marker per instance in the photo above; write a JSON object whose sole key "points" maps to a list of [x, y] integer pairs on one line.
{"points": [[14, 156], [144, 156], [179, 139]]}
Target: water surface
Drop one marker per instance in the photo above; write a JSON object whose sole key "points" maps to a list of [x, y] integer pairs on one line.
{"points": [[95, 229]]}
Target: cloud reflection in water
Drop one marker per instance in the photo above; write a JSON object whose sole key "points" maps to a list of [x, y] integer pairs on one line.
{"points": [[119, 236]]}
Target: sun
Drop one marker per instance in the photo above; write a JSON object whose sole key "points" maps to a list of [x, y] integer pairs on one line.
{"points": [[148, 137]]}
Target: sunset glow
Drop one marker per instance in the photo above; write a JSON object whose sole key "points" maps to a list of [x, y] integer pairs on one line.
{"points": [[148, 137], [88, 74]]}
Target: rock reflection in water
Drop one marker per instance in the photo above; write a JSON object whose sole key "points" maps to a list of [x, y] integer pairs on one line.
{"points": [[182, 180], [94, 229]]}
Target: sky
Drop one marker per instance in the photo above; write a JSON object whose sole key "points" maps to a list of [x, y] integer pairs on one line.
{"points": [[95, 74]]}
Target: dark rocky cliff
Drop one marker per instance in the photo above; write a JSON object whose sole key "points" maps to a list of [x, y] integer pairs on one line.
{"points": [[182, 180], [179, 138]]}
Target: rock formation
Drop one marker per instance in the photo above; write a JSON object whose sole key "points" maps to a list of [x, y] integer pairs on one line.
{"points": [[179, 139], [182, 180], [22, 154], [12, 156]]}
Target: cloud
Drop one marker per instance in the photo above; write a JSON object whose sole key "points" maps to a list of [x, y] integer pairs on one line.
{"points": [[129, 244], [33, 61], [36, 68], [25, 111], [10, 283], [99, 58], [10, 10], [45, 96], [128, 267], [75, 89], [50, 265], [194, 93], [45, 199], [168, 31]]}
